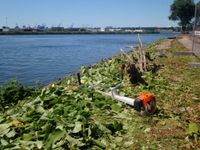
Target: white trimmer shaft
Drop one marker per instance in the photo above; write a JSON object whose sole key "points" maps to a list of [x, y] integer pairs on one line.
{"points": [[144, 103], [115, 95]]}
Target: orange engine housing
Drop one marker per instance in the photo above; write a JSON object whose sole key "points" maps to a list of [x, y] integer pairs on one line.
{"points": [[149, 102]]}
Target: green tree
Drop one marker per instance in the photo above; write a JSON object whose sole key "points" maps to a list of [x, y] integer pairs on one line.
{"points": [[184, 11]]}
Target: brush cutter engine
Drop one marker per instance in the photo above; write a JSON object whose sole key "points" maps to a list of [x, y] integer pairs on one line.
{"points": [[146, 103]]}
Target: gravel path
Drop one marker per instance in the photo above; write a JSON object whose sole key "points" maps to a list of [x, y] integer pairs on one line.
{"points": [[165, 44], [186, 40]]}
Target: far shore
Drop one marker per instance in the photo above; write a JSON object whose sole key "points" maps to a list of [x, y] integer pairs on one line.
{"points": [[49, 33]]}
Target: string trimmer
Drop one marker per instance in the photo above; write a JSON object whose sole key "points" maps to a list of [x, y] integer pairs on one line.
{"points": [[145, 103]]}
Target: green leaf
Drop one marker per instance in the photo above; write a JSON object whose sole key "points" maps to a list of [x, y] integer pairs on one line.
{"points": [[53, 138], [78, 127], [116, 108], [28, 137], [39, 144], [147, 130], [4, 142], [60, 127], [3, 127], [101, 145], [10, 134], [128, 144], [4, 132], [193, 128], [74, 142]]}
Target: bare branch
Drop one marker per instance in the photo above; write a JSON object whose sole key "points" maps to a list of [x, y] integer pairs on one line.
{"points": [[127, 56]]}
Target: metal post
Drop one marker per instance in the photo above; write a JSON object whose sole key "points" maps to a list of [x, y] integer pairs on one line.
{"points": [[6, 21], [122, 72], [79, 78], [194, 27]]}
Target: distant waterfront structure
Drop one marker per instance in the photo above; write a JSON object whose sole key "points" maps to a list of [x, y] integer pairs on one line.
{"points": [[102, 29], [138, 31], [41, 28], [16, 29], [109, 29], [97, 29], [5, 29], [58, 29]]}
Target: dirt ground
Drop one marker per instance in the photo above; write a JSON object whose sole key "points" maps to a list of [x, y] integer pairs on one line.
{"points": [[187, 41], [165, 44]]}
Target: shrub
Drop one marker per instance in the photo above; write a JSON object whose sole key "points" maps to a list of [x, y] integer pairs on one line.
{"points": [[12, 93]]}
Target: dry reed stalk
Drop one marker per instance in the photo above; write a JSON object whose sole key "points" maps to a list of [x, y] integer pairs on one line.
{"points": [[140, 60], [127, 56], [143, 55]]}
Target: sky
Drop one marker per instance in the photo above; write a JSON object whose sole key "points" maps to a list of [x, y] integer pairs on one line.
{"points": [[81, 13]]}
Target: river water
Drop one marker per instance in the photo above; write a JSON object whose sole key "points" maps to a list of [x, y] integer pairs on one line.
{"points": [[43, 58]]}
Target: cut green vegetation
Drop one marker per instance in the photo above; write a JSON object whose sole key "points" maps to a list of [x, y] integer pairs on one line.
{"points": [[68, 116]]}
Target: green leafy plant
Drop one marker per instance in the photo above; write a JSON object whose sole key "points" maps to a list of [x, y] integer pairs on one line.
{"points": [[193, 129], [13, 92]]}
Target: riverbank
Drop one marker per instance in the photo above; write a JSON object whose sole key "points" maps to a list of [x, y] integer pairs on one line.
{"points": [[69, 116]]}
